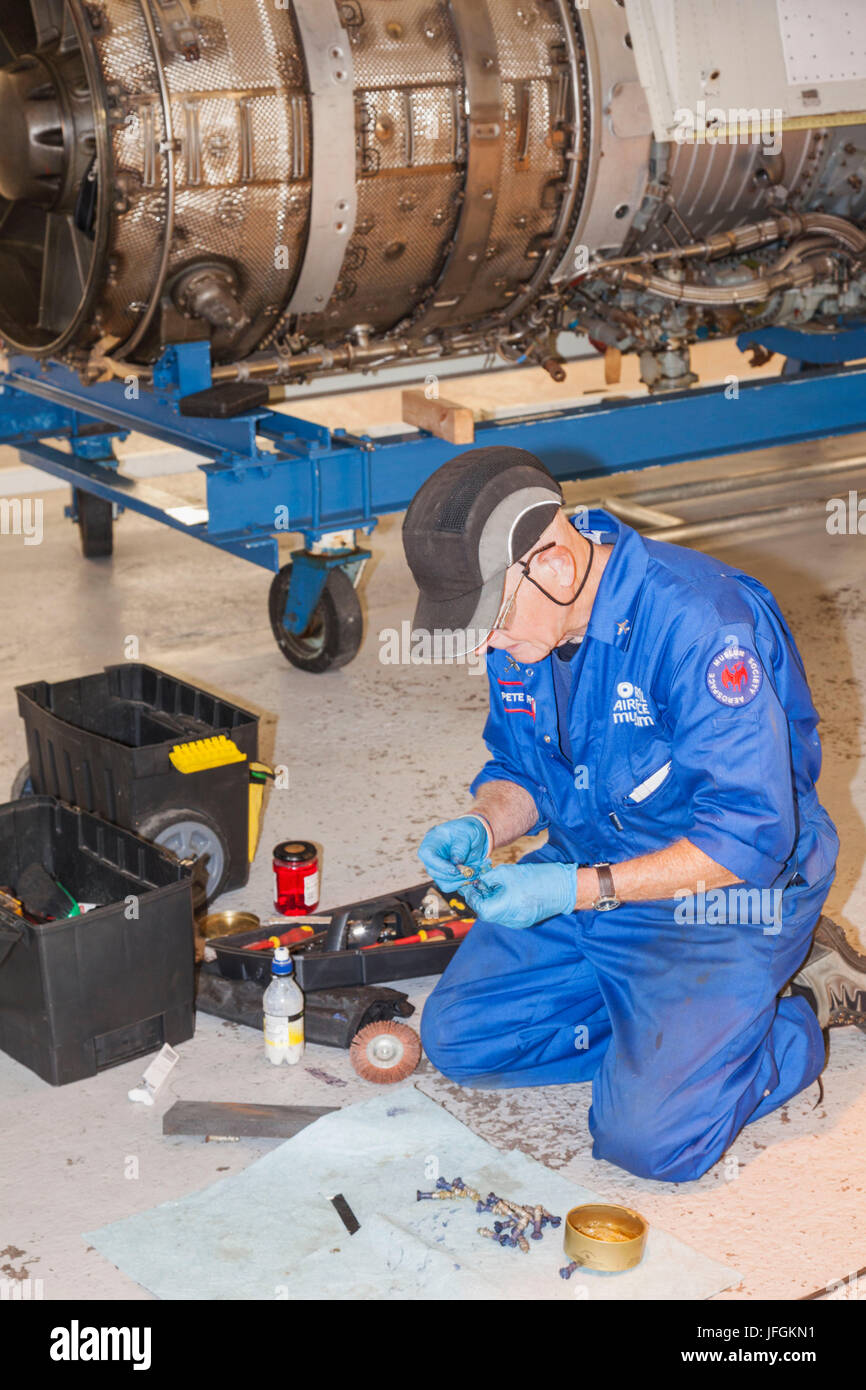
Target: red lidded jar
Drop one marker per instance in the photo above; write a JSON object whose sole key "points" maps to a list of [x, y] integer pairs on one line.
{"points": [[296, 878]]}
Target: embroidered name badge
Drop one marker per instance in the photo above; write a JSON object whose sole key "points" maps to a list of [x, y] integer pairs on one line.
{"points": [[516, 699], [734, 676], [630, 706]]}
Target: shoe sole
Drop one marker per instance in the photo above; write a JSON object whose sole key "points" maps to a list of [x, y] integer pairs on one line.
{"points": [[828, 933]]}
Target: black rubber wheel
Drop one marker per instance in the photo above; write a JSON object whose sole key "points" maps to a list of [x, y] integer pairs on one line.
{"points": [[191, 835], [96, 524], [22, 786], [334, 634]]}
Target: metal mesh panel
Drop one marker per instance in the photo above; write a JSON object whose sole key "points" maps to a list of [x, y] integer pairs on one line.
{"points": [[423, 51], [237, 197], [527, 205], [527, 35], [131, 78], [388, 267], [408, 94], [528, 41]]}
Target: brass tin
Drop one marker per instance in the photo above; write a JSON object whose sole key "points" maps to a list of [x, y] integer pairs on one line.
{"points": [[227, 923], [610, 1256]]}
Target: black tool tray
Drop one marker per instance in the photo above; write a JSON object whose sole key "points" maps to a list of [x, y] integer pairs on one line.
{"points": [[323, 963]]}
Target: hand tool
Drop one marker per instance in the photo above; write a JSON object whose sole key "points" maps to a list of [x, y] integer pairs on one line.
{"points": [[453, 930], [288, 938], [385, 1052], [237, 1119]]}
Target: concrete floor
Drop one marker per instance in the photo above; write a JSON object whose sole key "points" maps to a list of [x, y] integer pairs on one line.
{"points": [[376, 754]]}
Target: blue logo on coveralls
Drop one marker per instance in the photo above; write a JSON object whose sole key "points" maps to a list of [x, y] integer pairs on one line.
{"points": [[734, 676]]}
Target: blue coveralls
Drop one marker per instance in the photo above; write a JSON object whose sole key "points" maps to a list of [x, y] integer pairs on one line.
{"points": [[689, 715]]}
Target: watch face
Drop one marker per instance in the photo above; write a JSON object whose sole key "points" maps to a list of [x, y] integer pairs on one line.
{"points": [[606, 904]]}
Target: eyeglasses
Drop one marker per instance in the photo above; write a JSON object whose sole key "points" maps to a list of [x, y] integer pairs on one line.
{"points": [[509, 603]]}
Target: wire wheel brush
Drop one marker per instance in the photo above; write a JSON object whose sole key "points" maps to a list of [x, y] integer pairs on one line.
{"points": [[385, 1052]]}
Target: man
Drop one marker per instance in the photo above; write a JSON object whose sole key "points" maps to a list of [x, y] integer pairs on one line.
{"points": [[649, 709]]}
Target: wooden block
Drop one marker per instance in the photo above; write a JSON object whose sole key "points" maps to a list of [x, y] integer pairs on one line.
{"points": [[612, 366], [234, 1119], [445, 419]]}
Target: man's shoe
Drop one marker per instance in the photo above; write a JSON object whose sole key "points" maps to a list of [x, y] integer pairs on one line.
{"points": [[833, 978]]}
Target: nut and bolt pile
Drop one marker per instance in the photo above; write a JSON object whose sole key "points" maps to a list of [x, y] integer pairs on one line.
{"points": [[517, 1222]]}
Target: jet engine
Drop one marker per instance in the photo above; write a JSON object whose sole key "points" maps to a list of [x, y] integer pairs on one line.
{"points": [[316, 186]]}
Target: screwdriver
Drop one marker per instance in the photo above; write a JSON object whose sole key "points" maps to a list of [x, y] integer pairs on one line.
{"points": [[289, 938], [455, 931]]}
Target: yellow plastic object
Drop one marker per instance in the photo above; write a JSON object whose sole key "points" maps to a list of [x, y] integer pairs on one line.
{"points": [[259, 773], [205, 753]]}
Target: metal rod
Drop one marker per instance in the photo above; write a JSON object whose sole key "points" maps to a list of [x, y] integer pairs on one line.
{"points": [[720, 525], [742, 482]]}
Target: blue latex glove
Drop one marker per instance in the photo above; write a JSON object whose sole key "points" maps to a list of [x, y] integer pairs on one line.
{"points": [[519, 895], [460, 841]]}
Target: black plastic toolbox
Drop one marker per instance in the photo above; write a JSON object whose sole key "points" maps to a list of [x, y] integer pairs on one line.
{"points": [[319, 966], [94, 990], [103, 742]]}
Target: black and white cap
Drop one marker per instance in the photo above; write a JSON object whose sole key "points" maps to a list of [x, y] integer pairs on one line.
{"points": [[473, 518]]}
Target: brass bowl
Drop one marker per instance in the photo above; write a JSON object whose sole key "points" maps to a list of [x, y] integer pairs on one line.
{"points": [[227, 923], [603, 1237]]}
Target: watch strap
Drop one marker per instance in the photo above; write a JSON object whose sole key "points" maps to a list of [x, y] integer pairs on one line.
{"points": [[607, 897], [605, 880]]}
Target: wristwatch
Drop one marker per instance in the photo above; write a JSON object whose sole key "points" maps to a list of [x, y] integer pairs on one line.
{"points": [[607, 898]]}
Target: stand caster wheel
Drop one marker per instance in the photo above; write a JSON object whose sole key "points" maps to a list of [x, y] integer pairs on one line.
{"points": [[334, 633], [96, 524]]}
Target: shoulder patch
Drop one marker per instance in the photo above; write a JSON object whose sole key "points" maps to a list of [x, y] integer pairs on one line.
{"points": [[734, 676]]}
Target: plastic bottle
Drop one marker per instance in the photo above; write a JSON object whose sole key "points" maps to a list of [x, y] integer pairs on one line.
{"points": [[283, 1006]]}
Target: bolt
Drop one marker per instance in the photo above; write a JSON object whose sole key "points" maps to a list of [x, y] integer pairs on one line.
{"points": [[568, 1270]]}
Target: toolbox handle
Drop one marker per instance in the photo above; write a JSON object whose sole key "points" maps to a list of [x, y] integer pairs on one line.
{"points": [[337, 935], [335, 939]]}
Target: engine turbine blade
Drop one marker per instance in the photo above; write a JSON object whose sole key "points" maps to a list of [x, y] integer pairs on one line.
{"points": [[65, 268], [50, 18]]}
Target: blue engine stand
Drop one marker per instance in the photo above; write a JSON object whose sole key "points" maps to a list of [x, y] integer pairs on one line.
{"points": [[269, 472]]}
